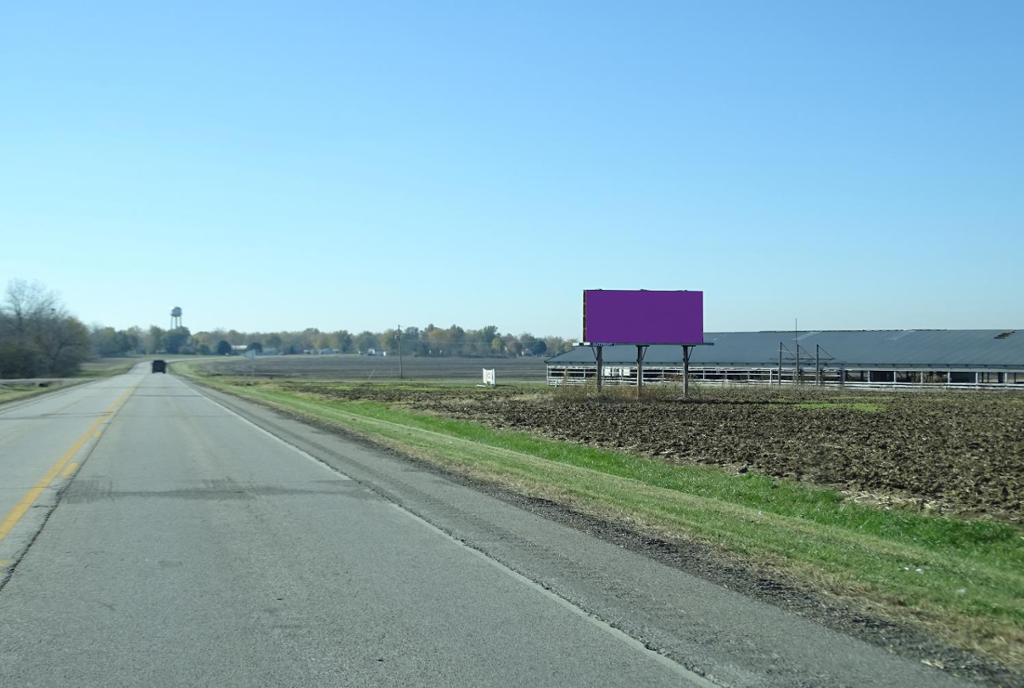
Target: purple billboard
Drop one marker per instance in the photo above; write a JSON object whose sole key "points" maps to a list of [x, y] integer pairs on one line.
{"points": [[613, 316]]}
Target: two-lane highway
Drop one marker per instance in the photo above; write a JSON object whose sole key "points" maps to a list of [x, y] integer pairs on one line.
{"points": [[194, 549], [159, 535]]}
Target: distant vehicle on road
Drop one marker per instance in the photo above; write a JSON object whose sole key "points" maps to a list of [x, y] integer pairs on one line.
{"points": [[159, 366]]}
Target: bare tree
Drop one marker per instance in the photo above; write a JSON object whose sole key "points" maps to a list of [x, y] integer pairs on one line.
{"points": [[27, 303], [37, 335]]}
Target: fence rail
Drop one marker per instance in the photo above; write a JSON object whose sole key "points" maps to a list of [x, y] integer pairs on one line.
{"points": [[859, 378]]}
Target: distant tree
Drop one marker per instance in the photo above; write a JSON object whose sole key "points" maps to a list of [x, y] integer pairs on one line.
{"points": [[64, 343], [456, 341], [255, 346], [512, 345], [308, 338], [104, 341], [155, 340], [177, 339], [478, 342], [322, 340], [556, 345], [342, 341], [435, 340], [410, 341], [224, 348], [133, 339], [365, 341], [538, 347], [389, 341]]}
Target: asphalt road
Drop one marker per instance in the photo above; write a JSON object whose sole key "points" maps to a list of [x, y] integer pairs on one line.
{"points": [[157, 535]]}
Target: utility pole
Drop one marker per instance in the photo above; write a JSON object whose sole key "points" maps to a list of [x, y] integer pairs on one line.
{"points": [[401, 372]]}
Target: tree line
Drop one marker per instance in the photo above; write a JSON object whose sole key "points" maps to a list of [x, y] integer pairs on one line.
{"points": [[413, 341], [39, 338]]}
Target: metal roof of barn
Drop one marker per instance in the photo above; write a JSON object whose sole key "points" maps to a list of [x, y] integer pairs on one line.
{"points": [[1002, 349]]}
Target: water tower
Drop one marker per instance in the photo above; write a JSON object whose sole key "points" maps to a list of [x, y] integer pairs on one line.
{"points": [[176, 317]]}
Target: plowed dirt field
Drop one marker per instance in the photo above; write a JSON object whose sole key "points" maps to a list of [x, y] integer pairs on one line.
{"points": [[953, 451]]}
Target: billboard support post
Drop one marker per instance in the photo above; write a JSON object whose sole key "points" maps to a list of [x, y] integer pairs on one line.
{"points": [[686, 371], [599, 355], [641, 351]]}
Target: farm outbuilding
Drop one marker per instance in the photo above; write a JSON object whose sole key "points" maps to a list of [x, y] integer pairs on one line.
{"points": [[875, 358]]}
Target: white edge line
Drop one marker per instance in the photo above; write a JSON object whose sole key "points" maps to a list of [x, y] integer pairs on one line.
{"points": [[271, 435], [694, 678]]}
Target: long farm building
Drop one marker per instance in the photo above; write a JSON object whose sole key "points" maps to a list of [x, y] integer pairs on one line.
{"points": [[867, 358]]}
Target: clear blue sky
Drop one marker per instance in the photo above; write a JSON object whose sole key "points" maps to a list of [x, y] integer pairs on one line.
{"points": [[277, 166]]}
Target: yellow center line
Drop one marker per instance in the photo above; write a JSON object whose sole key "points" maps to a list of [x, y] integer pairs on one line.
{"points": [[69, 471], [95, 430]]}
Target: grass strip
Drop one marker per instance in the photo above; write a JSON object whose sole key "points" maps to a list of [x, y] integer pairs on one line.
{"points": [[108, 367], [21, 392], [13, 392], [961, 578]]}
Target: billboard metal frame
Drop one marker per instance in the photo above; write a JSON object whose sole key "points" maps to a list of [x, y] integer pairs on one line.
{"points": [[641, 348]]}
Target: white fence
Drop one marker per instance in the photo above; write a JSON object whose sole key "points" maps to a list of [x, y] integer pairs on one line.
{"points": [[579, 374]]}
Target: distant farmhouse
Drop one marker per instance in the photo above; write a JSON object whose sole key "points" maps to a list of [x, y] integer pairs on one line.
{"points": [[869, 358]]}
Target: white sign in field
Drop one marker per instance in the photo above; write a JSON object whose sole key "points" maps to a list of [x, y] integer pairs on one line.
{"points": [[489, 378]]}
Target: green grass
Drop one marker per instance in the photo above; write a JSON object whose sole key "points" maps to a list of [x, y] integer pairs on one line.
{"points": [[107, 367], [9, 392], [962, 578], [13, 392]]}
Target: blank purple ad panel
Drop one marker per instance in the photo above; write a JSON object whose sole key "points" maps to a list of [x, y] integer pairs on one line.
{"points": [[643, 317]]}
